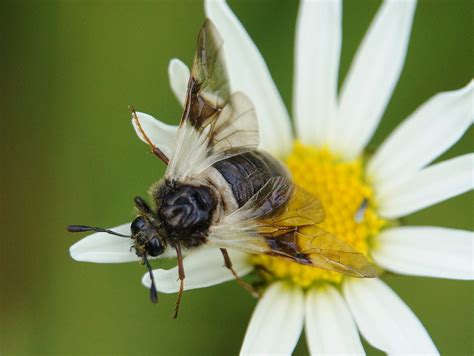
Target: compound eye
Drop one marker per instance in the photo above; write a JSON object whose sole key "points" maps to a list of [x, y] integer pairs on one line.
{"points": [[154, 247], [137, 225]]}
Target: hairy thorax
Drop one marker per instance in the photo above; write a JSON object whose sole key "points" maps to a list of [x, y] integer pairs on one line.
{"points": [[186, 211]]}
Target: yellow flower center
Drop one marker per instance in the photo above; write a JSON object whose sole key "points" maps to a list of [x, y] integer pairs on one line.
{"points": [[348, 201]]}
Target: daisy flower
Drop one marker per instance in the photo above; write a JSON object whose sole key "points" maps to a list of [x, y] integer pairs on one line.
{"points": [[364, 194]]}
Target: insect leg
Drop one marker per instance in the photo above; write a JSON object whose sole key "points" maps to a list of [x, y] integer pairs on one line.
{"points": [[142, 205], [243, 284], [155, 150], [181, 277]]}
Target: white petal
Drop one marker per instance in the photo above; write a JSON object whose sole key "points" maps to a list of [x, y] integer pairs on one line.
{"points": [[203, 268], [330, 328], [427, 187], [178, 73], [249, 74], [384, 320], [162, 135], [105, 248], [426, 251], [422, 137], [276, 322], [317, 52], [372, 77]]}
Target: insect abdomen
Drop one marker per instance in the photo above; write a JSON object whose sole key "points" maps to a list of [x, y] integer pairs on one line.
{"points": [[248, 172]]}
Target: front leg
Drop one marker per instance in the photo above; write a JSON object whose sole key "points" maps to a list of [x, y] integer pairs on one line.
{"points": [[155, 150], [243, 284], [181, 277]]}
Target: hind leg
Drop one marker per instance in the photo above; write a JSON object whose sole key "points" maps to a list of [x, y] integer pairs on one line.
{"points": [[228, 263]]}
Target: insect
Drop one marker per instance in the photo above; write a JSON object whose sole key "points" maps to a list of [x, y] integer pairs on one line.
{"points": [[220, 190]]}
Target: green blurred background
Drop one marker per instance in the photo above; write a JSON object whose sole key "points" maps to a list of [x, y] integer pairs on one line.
{"points": [[69, 155]]}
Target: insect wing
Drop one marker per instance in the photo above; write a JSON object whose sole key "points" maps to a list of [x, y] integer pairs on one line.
{"points": [[215, 123], [208, 87], [281, 220], [326, 251]]}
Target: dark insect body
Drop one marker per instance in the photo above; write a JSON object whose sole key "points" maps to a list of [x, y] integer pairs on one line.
{"points": [[247, 173], [220, 190]]}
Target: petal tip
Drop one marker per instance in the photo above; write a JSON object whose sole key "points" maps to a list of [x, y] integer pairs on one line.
{"points": [[74, 252], [177, 66]]}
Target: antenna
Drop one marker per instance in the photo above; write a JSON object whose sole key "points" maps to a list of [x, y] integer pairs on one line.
{"points": [[153, 292], [83, 228]]}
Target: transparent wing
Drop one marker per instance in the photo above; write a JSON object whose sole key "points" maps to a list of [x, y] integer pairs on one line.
{"points": [[311, 245], [215, 123], [281, 220], [208, 88]]}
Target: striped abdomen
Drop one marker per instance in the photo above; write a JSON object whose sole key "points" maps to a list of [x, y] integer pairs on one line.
{"points": [[248, 172]]}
